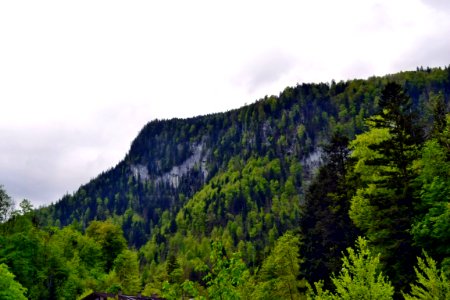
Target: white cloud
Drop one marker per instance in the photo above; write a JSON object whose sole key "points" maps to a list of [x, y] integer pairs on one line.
{"points": [[439, 5], [79, 79]]}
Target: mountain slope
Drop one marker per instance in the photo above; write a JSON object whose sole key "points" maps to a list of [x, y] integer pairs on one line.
{"points": [[232, 169]]}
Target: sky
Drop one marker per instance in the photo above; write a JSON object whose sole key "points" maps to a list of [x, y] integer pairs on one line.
{"points": [[79, 79]]}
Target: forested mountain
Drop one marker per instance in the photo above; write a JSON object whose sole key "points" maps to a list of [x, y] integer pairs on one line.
{"points": [[258, 201]]}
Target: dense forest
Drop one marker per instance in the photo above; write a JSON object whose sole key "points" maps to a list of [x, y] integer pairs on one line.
{"points": [[335, 190]]}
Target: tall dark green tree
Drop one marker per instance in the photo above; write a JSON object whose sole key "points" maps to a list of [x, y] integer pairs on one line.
{"points": [[326, 225], [439, 114], [384, 204]]}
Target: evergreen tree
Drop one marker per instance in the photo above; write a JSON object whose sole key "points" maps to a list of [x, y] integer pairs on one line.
{"points": [[431, 282], [359, 279], [326, 225], [431, 227], [280, 271], [126, 268], [439, 114], [383, 205]]}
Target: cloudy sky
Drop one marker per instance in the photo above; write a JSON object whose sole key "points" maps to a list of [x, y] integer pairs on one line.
{"points": [[79, 79]]}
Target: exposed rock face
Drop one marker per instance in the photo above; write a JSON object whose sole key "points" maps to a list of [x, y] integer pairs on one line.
{"points": [[267, 132], [311, 163], [140, 172], [197, 159]]}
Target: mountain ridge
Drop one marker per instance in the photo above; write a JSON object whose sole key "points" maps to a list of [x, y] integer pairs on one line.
{"points": [[293, 124]]}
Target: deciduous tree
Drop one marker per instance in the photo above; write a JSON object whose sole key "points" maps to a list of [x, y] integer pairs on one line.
{"points": [[6, 205], [9, 288]]}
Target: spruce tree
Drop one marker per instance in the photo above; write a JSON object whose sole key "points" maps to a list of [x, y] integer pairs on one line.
{"points": [[326, 226], [359, 279], [383, 206]]}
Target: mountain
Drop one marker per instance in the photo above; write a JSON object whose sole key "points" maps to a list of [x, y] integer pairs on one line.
{"points": [[271, 146], [288, 175]]}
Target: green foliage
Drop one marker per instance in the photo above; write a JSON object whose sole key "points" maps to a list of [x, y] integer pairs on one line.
{"points": [[226, 275], [225, 279], [278, 276], [360, 277], [249, 178], [126, 269], [439, 114], [25, 207], [61, 264], [384, 202], [9, 288], [109, 237], [431, 283], [6, 205], [23, 253], [431, 229], [325, 223], [361, 209], [254, 199], [186, 290]]}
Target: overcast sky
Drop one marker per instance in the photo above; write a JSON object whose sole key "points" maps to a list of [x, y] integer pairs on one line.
{"points": [[79, 79]]}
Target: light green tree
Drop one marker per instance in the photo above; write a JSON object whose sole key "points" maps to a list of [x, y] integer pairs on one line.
{"points": [[383, 206], [431, 227], [126, 268], [359, 279], [9, 288], [110, 237], [226, 275], [431, 282], [280, 270]]}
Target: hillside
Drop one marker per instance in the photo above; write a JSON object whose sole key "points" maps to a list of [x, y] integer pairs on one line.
{"points": [[170, 161], [287, 174]]}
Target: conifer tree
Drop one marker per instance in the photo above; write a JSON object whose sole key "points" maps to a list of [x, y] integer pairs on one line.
{"points": [[326, 226], [360, 277], [126, 268], [431, 282], [383, 205], [278, 276]]}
